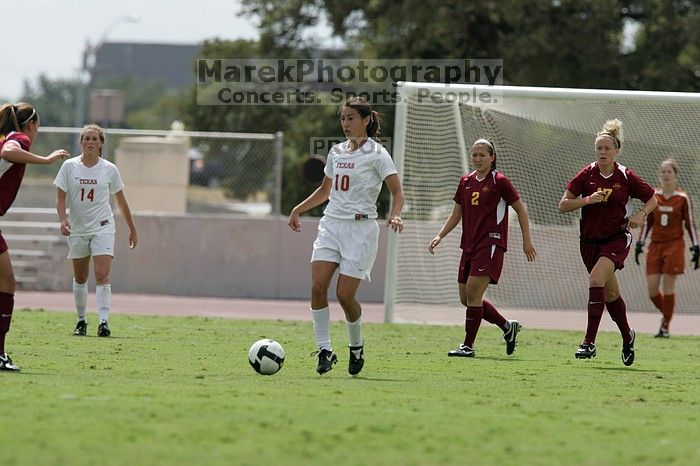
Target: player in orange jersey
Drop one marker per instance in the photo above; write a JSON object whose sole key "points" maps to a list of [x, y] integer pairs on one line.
{"points": [[666, 257]]}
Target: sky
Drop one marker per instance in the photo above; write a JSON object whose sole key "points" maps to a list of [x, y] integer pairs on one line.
{"points": [[51, 38]]}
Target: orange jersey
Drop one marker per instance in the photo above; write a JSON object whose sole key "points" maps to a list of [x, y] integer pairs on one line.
{"points": [[666, 221]]}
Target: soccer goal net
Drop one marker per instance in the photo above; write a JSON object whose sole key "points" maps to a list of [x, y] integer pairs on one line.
{"points": [[543, 137]]}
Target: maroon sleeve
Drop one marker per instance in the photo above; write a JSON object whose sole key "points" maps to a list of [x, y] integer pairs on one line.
{"points": [[575, 186], [508, 191], [639, 189], [458, 193], [21, 138]]}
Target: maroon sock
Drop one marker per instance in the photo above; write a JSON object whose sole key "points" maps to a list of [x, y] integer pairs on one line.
{"points": [[7, 304], [618, 312], [471, 324], [596, 305], [492, 316]]}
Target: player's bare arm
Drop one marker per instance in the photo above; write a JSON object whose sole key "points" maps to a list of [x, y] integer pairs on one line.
{"points": [[316, 198], [395, 221], [569, 202], [126, 213], [64, 226], [523, 219], [639, 218], [451, 222], [15, 154]]}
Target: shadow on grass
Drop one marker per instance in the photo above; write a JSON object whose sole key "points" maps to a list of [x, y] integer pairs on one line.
{"points": [[624, 368]]}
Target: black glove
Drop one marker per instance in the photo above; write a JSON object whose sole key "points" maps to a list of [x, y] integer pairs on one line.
{"points": [[638, 250], [696, 256]]}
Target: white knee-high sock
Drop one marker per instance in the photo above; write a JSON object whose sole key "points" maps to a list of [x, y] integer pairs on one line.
{"points": [[322, 331], [80, 292], [355, 332], [103, 293]]}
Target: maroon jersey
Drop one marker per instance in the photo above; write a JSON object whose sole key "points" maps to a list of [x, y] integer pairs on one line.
{"points": [[608, 218], [485, 209], [11, 173]]}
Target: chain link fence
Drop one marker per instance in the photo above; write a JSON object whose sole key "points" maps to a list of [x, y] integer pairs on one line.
{"points": [[237, 173]]}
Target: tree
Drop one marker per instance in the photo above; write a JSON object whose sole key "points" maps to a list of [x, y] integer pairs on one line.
{"points": [[54, 99]]}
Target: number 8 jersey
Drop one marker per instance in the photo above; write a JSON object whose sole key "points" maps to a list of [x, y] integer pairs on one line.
{"points": [[356, 178], [88, 190]]}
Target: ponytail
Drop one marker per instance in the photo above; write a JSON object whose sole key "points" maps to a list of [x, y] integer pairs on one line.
{"points": [[16, 117]]}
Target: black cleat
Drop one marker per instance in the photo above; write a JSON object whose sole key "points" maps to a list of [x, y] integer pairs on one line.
{"points": [[6, 364], [103, 329], [511, 335], [663, 333], [80, 329], [628, 351], [463, 351], [326, 359], [356, 359], [585, 351]]}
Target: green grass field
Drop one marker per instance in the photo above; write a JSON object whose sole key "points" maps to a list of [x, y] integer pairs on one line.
{"points": [[180, 391]]}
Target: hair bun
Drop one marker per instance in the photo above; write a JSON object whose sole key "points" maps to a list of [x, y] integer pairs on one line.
{"points": [[614, 127]]}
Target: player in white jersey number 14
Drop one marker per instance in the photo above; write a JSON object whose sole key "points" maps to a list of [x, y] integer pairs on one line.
{"points": [[85, 184]]}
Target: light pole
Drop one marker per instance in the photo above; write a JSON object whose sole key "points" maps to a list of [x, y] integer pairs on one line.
{"points": [[88, 65]]}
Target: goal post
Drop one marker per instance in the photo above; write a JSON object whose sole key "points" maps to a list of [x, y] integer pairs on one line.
{"points": [[543, 137]]}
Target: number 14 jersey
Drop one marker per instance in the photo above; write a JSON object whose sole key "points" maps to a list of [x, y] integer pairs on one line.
{"points": [[88, 190]]}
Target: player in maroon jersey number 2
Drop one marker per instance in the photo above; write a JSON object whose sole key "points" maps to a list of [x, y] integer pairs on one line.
{"points": [[603, 190], [19, 125], [481, 204]]}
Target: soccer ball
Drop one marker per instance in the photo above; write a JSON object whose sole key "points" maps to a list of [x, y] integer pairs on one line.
{"points": [[266, 356]]}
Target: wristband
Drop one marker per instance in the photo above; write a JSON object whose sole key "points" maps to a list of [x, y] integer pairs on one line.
{"points": [[586, 200]]}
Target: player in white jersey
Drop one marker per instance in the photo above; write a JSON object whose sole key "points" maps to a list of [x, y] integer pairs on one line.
{"points": [[86, 183], [348, 232]]}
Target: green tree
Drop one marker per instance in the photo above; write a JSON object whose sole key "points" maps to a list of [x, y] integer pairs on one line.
{"points": [[54, 99]]}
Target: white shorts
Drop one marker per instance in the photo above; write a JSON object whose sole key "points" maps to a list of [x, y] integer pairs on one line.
{"points": [[99, 244], [350, 243]]}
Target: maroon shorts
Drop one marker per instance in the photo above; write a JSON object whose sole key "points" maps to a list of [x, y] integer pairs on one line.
{"points": [[3, 244], [615, 249], [487, 261]]}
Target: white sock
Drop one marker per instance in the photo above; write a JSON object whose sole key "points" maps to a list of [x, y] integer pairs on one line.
{"points": [[322, 330], [355, 332], [80, 295], [103, 293]]}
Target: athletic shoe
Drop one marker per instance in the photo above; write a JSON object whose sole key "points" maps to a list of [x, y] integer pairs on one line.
{"points": [[6, 364], [356, 359], [585, 351], [103, 329], [463, 351], [511, 335], [326, 359], [662, 333], [80, 329], [628, 351]]}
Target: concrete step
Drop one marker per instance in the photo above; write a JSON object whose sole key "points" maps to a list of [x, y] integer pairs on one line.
{"points": [[5, 224], [25, 265], [37, 214], [21, 238], [36, 253]]}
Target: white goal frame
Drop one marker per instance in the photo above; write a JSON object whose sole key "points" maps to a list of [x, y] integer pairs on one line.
{"points": [[406, 90]]}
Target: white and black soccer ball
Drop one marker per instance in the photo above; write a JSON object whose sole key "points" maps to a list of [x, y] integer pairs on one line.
{"points": [[266, 356]]}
